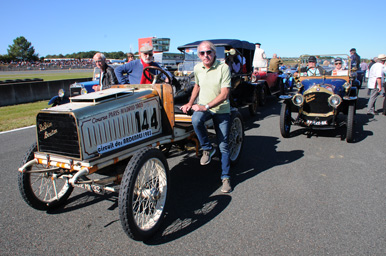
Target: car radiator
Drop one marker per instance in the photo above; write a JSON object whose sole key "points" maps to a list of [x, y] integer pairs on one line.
{"points": [[57, 134]]}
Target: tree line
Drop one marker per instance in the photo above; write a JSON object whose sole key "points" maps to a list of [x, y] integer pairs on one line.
{"points": [[22, 50]]}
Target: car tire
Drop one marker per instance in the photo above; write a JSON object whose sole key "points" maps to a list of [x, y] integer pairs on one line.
{"points": [[236, 137], [285, 120], [255, 103], [350, 123], [263, 96], [143, 193], [39, 189]]}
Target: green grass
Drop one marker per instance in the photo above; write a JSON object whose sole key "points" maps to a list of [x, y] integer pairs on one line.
{"points": [[48, 76], [22, 115]]}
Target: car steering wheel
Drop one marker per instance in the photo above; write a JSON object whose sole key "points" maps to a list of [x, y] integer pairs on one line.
{"points": [[156, 78]]}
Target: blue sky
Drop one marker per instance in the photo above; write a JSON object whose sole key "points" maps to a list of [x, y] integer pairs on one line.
{"points": [[288, 28]]}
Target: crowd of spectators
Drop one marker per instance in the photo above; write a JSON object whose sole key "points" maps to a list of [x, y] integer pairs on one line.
{"points": [[47, 64]]}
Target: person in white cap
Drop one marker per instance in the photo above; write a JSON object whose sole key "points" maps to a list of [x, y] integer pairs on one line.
{"points": [[134, 69], [259, 58], [376, 78]]}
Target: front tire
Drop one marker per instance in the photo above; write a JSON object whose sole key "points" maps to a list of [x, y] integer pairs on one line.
{"points": [[285, 120], [143, 193], [236, 137], [42, 190], [350, 123]]}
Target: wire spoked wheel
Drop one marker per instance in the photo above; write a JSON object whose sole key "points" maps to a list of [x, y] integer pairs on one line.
{"points": [[236, 137], [143, 193], [41, 189]]}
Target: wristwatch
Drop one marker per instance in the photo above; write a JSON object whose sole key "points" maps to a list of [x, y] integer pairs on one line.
{"points": [[207, 107]]}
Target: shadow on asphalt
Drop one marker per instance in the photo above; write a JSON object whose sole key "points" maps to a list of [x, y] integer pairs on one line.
{"points": [[195, 198]]}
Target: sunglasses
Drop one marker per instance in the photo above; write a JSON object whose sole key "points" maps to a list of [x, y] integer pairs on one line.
{"points": [[338, 63], [207, 52], [148, 53]]}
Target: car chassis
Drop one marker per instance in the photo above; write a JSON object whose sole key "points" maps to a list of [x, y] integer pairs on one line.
{"points": [[97, 131]]}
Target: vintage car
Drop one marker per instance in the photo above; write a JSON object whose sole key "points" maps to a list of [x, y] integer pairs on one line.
{"points": [[85, 142], [326, 101], [75, 89], [248, 88]]}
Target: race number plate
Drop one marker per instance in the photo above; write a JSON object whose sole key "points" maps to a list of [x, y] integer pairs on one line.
{"points": [[121, 127]]}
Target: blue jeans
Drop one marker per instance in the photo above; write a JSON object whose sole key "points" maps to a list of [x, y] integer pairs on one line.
{"points": [[221, 125]]}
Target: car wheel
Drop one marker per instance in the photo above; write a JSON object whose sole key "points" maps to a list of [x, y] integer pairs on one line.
{"points": [[285, 120], [350, 123], [263, 96], [42, 190], [255, 103], [236, 137], [143, 193]]}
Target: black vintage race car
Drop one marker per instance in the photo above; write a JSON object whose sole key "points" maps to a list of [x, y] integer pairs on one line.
{"points": [[325, 99], [247, 90]]}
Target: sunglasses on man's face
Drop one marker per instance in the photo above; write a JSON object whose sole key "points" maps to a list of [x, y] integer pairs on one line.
{"points": [[338, 63], [202, 53], [148, 53]]}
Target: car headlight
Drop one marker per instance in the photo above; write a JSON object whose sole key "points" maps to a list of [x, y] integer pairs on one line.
{"points": [[298, 100], [61, 93], [346, 85], [299, 85], [334, 100], [253, 79]]}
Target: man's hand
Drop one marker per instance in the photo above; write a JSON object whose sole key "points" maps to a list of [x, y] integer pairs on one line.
{"points": [[185, 108], [96, 88], [199, 108]]}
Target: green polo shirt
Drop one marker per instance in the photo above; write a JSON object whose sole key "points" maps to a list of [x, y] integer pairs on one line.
{"points": [[211, 81]]}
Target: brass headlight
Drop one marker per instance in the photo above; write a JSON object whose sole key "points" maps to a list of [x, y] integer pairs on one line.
{"points": [[334, 100], [298, 100], [83, 91]]}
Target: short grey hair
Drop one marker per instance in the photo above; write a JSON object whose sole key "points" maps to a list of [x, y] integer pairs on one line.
{"points": [[103, 57], [211, 46]]}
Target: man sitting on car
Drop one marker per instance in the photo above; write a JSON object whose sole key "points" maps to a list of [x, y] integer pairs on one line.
{"points": [[107, 76], [312, 69], [134, 69]]}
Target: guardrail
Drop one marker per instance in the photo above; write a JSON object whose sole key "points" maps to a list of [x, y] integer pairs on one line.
{"points": [[25, 92]]}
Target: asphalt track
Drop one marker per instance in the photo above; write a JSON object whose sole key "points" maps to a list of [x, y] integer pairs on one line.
{"points": [[306, 195]]}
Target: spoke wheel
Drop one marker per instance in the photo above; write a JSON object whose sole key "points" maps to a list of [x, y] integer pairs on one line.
{"points": [[236, 137], [350, 123], [285, 120], [263, 96], [255, 103], [42, 190], [143, 193]]}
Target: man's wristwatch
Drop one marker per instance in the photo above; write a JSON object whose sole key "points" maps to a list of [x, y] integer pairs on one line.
{"points": [[207, 107]]}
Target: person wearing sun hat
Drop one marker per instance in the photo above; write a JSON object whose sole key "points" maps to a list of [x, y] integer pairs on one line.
{"points": [[134, 69], [259, 58], [376, 78], [355, 58]]}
